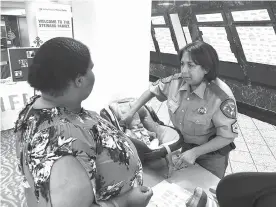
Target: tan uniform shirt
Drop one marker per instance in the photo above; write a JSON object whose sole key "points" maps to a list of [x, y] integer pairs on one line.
{"points": [[208, 110]]}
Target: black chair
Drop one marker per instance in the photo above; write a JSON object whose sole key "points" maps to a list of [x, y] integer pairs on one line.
{"points": [[247, 189]]}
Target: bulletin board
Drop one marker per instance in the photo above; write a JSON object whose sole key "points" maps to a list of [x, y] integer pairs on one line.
{"points": [[243, 34], [255, 29], [245, 39], [20, 60], [163, 44]]}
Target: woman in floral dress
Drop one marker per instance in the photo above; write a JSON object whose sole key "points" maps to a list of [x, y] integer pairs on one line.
{"points": [[69, 156]]}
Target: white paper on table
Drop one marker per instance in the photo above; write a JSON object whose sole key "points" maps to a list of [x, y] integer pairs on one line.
{"points": [[258, 43], [168, 194], [164, 39]]}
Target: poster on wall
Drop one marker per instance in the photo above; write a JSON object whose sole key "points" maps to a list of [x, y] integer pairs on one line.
{"points": [[217, 37], [215, 17], [53, 20], [158, 20], [164, 39], [258, 43]]}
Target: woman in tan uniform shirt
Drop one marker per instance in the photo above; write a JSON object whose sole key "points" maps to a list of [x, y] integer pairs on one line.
{"points": [[200, 105]]}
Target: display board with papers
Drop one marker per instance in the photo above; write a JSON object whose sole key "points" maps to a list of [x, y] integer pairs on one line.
{"points": [[251, 15], [168, 194], [187, 34], [164, 39], [217, 37], [258, 43]]}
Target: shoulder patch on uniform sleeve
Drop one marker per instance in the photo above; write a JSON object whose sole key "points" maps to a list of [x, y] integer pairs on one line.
{"points": [[234, 127], [218, 91], [229, 109], [156, 82]]}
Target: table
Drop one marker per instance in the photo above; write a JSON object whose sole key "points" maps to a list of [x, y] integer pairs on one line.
{"points": [[188, 178]]}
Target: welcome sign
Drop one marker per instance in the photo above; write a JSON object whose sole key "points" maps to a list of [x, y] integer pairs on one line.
{"points": [[53, 20], [54, 23]]}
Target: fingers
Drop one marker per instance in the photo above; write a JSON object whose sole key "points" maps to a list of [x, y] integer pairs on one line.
{"points": [[170, 171], [149, 194], [144, 189], [181, 163], [178, 163]]}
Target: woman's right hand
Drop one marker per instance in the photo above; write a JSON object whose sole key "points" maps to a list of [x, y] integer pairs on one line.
{"points": [[139, 196]]}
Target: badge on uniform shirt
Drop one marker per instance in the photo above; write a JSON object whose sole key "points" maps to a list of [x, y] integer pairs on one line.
{"points": [[228, 108], [202, 110], [234, 127]]}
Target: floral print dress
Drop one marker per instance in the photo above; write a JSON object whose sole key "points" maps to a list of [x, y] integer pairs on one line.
{"points": [[108, 156]]}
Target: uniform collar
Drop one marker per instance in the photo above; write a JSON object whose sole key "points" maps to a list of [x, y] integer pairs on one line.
{"points": [[199, 91]]}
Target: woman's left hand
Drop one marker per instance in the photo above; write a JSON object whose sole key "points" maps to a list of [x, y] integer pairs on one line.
{"points": [[189, 157]]}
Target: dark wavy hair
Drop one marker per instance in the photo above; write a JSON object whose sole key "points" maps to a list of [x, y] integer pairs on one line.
{"points": [[56, 63], [204, 55]]}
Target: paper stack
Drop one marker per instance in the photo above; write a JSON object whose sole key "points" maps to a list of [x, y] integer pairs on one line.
{"points": [[168, 194]]}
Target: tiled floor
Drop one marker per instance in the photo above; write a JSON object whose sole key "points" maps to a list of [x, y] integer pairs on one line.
{"points": [[255, 146]]}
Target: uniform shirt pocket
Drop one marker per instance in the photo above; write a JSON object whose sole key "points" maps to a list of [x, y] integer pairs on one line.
{"points": [[200, 124], [172, 105]]}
